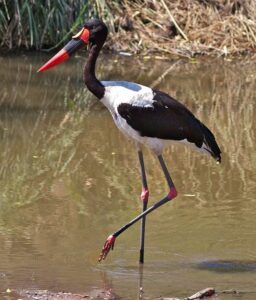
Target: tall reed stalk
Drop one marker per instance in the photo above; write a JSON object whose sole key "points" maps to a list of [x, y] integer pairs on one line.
{"points": [[44, 23]]}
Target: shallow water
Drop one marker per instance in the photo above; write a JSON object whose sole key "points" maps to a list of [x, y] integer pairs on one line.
{"points": [[68, 179]]}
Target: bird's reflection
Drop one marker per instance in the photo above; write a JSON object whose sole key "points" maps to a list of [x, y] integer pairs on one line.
{"points": [[107, 291], [140, 285]]}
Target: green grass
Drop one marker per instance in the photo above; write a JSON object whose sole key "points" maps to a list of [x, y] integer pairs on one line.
{"points": [[44, 23]]}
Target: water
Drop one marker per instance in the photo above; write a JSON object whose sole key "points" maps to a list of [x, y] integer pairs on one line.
{"points": [[69, 179]]}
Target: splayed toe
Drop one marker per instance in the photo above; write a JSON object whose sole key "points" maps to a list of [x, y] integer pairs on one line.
{"points": [[109, 245]]}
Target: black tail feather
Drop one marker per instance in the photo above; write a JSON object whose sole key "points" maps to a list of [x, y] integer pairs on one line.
{"points": [[211, 143]]}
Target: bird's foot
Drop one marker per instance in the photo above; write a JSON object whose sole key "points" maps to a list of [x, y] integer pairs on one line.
{"points": [[173, 193], [109, 245]]}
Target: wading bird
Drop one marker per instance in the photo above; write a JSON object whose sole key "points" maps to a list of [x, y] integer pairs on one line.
{"points": [[149, 117]]}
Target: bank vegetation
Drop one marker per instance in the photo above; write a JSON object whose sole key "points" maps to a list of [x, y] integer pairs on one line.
{"points": [[182, 28]]}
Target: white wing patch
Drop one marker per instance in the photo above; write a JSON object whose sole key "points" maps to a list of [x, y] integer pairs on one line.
{"points": [[117, 92]]}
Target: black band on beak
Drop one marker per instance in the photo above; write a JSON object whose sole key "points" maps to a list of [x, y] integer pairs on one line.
{"points": [[73, 46]]}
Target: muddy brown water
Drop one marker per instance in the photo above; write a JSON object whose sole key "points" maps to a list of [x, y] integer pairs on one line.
{"points": [[68, 179]]}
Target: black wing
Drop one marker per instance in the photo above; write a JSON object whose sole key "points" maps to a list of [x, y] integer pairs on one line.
{"points": [[168, 119]]}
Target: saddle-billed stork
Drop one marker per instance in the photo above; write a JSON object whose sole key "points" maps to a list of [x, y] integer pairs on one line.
{"points": [[149, 117]]}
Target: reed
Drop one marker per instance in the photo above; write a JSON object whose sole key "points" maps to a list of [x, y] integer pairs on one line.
{"points": [[44, 23], [183, 28], [186, 27]]}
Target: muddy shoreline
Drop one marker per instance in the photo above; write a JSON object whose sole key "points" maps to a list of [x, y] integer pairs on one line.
{"points": [[34, 294]]}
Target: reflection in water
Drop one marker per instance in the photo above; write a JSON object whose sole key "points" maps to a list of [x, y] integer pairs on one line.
{"points": [[228, 266], [140, 285], [68, 178]]}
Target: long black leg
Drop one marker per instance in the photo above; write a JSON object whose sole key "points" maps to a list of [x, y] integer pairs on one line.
{"points": [[144, 198], [166, 172], [109, 244]]}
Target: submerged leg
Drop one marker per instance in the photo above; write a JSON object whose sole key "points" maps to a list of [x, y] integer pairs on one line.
{"points": [[109, 244], [144, 198]]}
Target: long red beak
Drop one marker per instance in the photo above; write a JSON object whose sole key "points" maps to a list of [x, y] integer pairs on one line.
{"points": [[76, 43]]}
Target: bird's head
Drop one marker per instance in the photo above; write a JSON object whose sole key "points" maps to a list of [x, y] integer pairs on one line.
{"points": [[94, 32]]}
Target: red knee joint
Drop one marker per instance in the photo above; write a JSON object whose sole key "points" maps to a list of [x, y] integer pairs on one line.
{"points": [[144, 195], [173, 193]]}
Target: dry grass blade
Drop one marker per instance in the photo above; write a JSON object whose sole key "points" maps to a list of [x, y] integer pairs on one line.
{"points": [[174, 21]]}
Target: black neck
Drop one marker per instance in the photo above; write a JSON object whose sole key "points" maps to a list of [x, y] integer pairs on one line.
{"points": [[92, 83]]}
